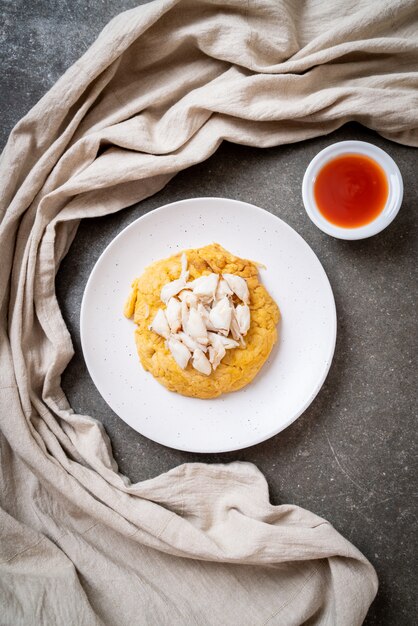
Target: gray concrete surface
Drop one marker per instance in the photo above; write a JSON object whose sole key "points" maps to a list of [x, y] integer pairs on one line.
{"points": [[351, 457]]}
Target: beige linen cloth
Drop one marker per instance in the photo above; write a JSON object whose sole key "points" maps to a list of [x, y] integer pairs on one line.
{"points": [[159, 90]]}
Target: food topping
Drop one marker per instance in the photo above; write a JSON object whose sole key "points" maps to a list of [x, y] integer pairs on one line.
{"points": [[242, 315], [200, 315], [201, 363], [160, 325], [180, 353], [239, 286], [221, 315], [175, 286], [173, 314]]}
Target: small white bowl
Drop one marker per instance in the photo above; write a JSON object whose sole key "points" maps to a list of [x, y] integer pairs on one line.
{"points": [[395, 189]]}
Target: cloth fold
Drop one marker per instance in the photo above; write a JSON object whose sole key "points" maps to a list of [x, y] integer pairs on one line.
{"points": [[158, 91]]}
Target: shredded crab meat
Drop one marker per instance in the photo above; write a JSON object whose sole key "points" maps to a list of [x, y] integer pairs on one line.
{"points": [[180, 352], [184, 316], [217, 352], [172, 289], [204, 312], [235, 331], [196, 327], [239, 286], [160, 325], [204, 286], [220, 316], [223, 289], [187, 340], [173, 314], [201, 363], [188, 297], [226, 341], [242, 314], [184, 265], [200, 322]]}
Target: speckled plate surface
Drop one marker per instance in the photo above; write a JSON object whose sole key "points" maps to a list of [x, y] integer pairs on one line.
{"points": [[290, 379]]}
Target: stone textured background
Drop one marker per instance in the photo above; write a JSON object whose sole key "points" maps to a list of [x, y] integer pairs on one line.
{"points": [[351, 457]]}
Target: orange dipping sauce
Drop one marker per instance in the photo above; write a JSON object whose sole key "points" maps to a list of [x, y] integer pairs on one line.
{"points": [[351, 190]]}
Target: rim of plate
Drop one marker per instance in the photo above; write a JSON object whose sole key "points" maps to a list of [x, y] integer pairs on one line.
{"points": [[329, 357]]}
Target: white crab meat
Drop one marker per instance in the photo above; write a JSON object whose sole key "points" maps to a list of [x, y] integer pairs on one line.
{"points": [[180, 352], [242, 314], [203, 309], [227, 342], [223, 290], [217, 352], [189, 342], [216, 357], [204, 312], [184, 315], [205, 286], [199, 316], [184, 267], [235, 331], [160, 325], [239, 286], [220, 316], [173, 314], [172, 289], [201, 363], [188, 297], [196, 327]]}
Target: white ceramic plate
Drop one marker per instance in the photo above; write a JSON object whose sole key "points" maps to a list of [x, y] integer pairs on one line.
{"points": [[287, 383]]}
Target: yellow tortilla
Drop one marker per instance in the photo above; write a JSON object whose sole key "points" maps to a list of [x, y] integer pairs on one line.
{"points": [[240, 365]]}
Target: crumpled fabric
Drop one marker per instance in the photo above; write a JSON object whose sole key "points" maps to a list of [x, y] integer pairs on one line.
{"points": [[158, 91]]}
